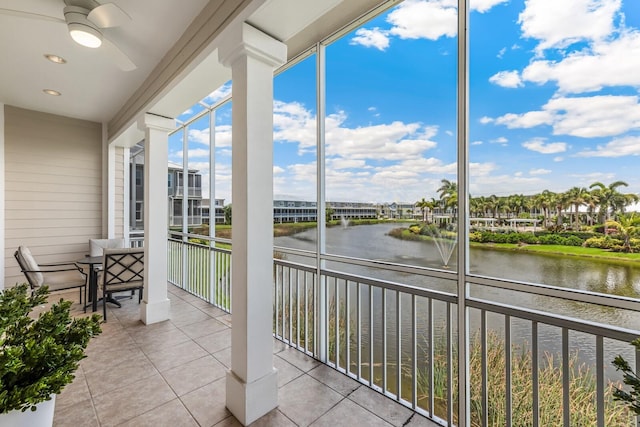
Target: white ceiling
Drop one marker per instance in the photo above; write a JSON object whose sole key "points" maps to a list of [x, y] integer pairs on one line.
{"points": [[92, 86]]}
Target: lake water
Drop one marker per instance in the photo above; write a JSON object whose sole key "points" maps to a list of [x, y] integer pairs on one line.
{"points": [[372, 242]]}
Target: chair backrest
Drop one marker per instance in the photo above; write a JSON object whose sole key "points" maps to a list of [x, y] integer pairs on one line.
{"points": [[97, 246], [122, 267], [28, 265]]}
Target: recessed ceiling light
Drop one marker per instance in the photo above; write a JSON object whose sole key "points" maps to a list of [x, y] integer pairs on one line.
{"points": [[51, 92], [55, 58]]}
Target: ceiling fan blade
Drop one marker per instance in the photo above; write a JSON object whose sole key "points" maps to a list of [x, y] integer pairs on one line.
{"points": [[108, 15], [118, 56], [29, 15]]}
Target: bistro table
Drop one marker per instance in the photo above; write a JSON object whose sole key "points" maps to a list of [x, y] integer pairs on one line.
{"points": [[95, 265]]}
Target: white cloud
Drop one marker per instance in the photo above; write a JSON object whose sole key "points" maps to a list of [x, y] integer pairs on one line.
{"points": [[483, 6], [501, 52], [277, 170], [218, 94], [540, 171], [371, 38], [499, 140], [539, 145], [415, 19], [557, 24], [485, 120], [607, 63], [222, 136], [340, 163], [200, 136], [509, 79], [586, 117], [502, 185], [525, 120], [392, 141], [619, 147], [558, 159], [476, 142]]}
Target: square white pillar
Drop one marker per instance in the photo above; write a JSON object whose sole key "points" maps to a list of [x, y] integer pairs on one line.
{"points": [[155, 304], [252, 383]]}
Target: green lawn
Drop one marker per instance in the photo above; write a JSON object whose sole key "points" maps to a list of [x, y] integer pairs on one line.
{"points": [[578, 251]]}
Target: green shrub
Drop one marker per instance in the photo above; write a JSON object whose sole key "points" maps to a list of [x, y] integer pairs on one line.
{"points": [[38, 357], [604, 242]]}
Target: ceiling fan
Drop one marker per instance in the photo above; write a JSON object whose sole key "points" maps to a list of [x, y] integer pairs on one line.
{"points": [[86, 20]]}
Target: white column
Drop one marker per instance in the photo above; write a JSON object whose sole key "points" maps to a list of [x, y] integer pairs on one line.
{"points": [[155, 304], [251, 384]]}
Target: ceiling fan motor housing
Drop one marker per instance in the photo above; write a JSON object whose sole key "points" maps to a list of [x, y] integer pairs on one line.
{"points": [[81, 29]]}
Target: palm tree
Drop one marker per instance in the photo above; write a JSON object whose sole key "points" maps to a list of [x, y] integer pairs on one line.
{"points": [[449, 194], [577, 196], [447, 188], [423, 204], [610, 199], [628, 226], [544, 201]]}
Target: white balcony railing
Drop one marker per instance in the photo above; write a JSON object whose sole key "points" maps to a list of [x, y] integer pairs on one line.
{"points": [[401, 340]]}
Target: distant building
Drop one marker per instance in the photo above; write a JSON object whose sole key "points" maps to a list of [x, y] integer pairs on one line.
{"points": [[352, 210], [175, 184], [218, 208], [397, 210], [304, 211], [294, 211]]}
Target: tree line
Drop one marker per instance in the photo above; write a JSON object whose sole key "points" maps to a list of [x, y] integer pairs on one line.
{"points": [[603, 203]]}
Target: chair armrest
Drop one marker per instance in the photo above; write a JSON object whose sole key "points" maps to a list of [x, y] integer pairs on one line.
{"points": [[72, 267], [58, 264]]}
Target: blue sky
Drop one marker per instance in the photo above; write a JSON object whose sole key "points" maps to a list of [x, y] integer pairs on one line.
{"points": [[553, 104]]}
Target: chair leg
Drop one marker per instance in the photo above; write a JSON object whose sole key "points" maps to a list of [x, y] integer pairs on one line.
{"points": [[104, 306]]}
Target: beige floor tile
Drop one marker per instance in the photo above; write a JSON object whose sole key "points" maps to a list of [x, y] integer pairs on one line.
{"points": [[286, 371], [105, 342], [176, 355], [73, 393], [207, 404], [195, 374], [79, 414], [305, 399], [418, 420], [151, 342], [298, 359], [334, 379], [171, 414], [224, 357], [111, 358], [348, 413], [216, 341], [230, 421], [273, 418], [203, 327], [128, 402], [382, 406], [134, 370]]}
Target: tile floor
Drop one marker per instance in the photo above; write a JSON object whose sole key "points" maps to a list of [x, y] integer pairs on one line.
{"points": [[173, 374]]}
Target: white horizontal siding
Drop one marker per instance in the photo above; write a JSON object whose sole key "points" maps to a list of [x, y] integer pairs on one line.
{"points": [[53, 196]]}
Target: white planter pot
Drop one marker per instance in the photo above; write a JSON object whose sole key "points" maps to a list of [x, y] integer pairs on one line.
{"points": [[43, 417]]}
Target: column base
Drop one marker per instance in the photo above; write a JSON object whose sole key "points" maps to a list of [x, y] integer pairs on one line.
{"points": [[248, 402], [154, 312]]}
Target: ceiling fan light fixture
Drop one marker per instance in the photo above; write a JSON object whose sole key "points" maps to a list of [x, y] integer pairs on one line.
{"points": [[81, 30], [85, 36]]}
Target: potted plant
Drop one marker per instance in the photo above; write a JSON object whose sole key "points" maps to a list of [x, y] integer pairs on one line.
{"points": [[630, 378], [38, 354]]}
